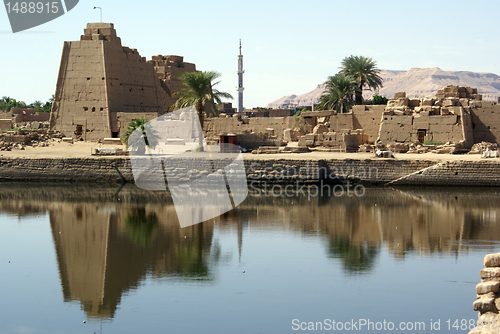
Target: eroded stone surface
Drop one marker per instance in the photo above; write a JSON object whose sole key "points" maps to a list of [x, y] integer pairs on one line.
{"points": [[492, 260]]}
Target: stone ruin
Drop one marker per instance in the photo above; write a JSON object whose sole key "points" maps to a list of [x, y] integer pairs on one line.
{"points": [[102, 86], [324, 140], [447, 101], [18, 140], [167, 69], [443, 121], [488, 297]]}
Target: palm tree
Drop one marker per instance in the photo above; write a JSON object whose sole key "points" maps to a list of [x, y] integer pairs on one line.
{"points": [[197, 90], [364, 70], [135, 139], [338, 94]]}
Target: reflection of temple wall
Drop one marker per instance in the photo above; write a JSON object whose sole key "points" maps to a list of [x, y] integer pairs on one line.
{"points": [[81, 237], [405, 220], [99, 261]]}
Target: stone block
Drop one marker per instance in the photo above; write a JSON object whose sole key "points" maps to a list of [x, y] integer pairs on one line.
{"points": [[436, 110], [428, 101], [392, 104], [464, 102], [486, 287], [287, 135], [320, 128], [5, 124], [475, 104], [455, 110], [359, 108], [445, 111], [157, 57], [400, 95], [489, 273], [492, 260], [450, 101], [309, 136], [413, 103], [484, 305], [114, 141]]}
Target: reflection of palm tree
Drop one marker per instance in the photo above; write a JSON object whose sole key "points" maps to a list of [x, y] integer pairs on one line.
{"points": [[191, 257], [355, 259], [140, 227], [136, 139]]}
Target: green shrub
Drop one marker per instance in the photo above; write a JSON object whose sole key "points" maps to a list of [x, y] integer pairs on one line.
{"points": [[379, 100], [431, 142]]}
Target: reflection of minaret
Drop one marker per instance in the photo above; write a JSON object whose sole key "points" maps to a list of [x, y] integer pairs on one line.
{"points": [[240, 238], [240, 81]]}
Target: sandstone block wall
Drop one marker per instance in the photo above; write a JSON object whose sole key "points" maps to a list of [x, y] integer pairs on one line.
{"points": [[339, 122], [80, 99], [5, 124], [252, 131], [486, 122], [470, 173], [449, 116], [459, 173], [403, 129], [168, 69], [102, 84], [368, 118]]}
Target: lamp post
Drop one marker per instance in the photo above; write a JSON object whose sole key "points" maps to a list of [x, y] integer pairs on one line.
{"points": [[100, 10]]}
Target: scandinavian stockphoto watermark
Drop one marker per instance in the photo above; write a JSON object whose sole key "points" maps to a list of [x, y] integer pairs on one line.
{"points": [[204, 181], [28, 14], [309, 180]]}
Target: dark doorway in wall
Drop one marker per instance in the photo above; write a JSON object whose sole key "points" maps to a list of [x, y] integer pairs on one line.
{"points": [[421, 135], [114, 134], [79, 130]]}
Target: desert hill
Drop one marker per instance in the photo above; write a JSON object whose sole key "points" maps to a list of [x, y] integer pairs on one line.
{"points": [[417, 82]]}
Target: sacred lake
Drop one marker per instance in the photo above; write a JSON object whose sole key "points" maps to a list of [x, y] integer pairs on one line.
{"points": [[80, 258]]}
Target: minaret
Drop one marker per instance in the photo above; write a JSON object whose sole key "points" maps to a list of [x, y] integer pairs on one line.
{"points": [[240, 81]]}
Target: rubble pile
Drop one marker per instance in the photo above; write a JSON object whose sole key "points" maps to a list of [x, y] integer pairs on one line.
{"points": [[348, 140], [398, 147], [479, 148], [447, 101], [18, 140], [366, 148]]}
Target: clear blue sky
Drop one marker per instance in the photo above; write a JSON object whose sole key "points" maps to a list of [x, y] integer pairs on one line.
{"points": [[289, 47]]}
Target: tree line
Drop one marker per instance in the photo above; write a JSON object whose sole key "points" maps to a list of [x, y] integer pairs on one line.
{"points": [[345, 89], [7, 103]]}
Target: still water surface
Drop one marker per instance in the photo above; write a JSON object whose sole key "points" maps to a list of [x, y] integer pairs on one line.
{"points": [[118, 260]]}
